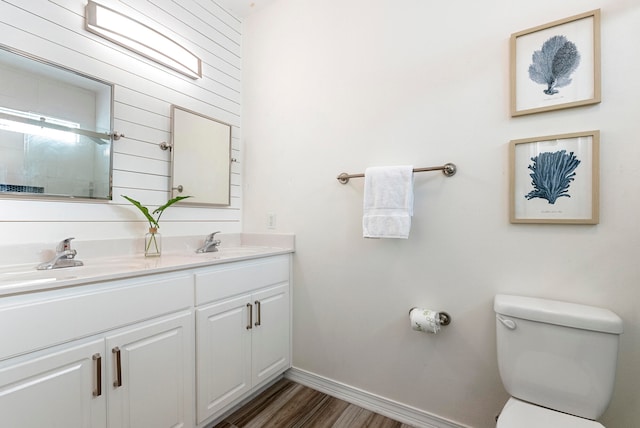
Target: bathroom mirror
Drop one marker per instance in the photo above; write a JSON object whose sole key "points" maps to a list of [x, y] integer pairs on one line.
{"points": [[55, 130], [201, 158]]}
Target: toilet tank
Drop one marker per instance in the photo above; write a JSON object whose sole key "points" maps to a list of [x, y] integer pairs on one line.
{"points": [[557, 354]]}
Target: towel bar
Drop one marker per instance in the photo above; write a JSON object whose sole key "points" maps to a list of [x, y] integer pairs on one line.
{"points": [[447, 169]]}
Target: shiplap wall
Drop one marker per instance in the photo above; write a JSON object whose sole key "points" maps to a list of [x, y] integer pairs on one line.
{"points": [[144, 93]]}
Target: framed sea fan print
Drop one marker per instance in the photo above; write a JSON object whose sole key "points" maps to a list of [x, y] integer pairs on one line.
{"points": [[556, 65], [555, 179]]}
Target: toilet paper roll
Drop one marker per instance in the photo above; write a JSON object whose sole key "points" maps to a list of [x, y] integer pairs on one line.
{"points": [[424, 320]]}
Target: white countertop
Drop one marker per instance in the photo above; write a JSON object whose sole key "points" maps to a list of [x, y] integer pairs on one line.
{"points": [[179, 255]]}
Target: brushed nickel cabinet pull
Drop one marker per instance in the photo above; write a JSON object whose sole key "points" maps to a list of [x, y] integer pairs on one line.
{"points": [[118, 381], [250, 310], [257, 324], [97, 358]]}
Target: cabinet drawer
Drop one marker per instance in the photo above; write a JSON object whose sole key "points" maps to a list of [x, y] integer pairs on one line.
{"points": [[221, 282], [48, 318]]}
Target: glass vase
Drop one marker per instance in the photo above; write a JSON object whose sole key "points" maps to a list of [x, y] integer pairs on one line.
{"points": [[152, 243]]}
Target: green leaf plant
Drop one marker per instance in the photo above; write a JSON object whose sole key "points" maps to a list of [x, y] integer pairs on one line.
{"points": [[154, 222]]}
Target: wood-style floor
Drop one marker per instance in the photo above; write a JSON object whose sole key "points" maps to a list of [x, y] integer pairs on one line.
{"points": [[290, 405]]}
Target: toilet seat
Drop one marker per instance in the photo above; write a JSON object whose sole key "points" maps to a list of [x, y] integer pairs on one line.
{"points": [[520, 414]]}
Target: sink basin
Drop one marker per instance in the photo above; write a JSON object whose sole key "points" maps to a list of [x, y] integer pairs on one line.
{"points": [[37, 276], [227, 253], [30, 274], [106, 268], [238, 252]]}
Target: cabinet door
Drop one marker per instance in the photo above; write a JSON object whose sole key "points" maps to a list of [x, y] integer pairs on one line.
{"points": [[223, 347], [271, 334], [57, 388], [150, 374]]}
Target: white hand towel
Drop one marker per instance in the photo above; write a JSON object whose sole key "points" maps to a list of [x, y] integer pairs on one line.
{"points": [[388, 202]]}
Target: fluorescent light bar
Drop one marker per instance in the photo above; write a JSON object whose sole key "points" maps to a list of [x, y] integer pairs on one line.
{"points": [[141, 39]]}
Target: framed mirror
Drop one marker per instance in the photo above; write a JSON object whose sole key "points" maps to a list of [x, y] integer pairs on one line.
{"points": [[201, 158], [55, 130]]}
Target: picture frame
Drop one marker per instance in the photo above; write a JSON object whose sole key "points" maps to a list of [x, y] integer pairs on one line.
{"points": [[556, 65], [555, 179]]}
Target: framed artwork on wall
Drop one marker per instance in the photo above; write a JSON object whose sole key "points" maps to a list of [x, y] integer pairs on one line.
{"points": [[556, 65], [555, 179]]}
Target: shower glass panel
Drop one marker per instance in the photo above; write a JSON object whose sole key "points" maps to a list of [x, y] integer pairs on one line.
{"points": [[55, 130]]}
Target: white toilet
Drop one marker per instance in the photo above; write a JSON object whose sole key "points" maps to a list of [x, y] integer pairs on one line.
{"points": [[557, 360]]}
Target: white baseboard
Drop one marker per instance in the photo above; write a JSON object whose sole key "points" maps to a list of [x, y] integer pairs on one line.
{"points": [[389, 408]]}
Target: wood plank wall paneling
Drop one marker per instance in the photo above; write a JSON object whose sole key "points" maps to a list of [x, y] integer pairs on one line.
{"points": [[144, 92]]}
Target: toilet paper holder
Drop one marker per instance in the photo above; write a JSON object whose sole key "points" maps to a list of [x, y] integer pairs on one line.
{"points": [[443, 317]]}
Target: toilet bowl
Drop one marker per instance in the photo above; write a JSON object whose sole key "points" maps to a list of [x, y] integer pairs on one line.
{"points": [[557, 360], [520, 414]]}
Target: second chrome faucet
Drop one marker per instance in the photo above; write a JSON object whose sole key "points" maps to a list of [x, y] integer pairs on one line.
{"points": [[210, 244]]}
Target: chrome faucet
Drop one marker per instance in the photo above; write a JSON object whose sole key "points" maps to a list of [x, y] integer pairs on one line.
{"points": [[65, 257], [210, 244]]}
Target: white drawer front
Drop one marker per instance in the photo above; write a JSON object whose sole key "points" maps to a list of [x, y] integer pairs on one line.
{"points": [[221, 282], [55, 317]]}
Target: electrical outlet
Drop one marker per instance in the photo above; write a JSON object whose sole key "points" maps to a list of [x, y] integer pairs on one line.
{"points": [[271, 221]]}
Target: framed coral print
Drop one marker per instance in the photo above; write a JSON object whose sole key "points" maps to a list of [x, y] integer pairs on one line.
{"points": [[555, 179], [556, 65]]}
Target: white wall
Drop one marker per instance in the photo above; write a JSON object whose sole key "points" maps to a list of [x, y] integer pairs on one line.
{"points": [[335, 86], [144, 93]]}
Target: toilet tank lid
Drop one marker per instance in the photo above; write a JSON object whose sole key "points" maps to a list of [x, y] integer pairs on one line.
{"points": [[558, 313]]}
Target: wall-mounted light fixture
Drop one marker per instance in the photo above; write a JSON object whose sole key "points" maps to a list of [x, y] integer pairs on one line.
{"points": [[140, 38]]}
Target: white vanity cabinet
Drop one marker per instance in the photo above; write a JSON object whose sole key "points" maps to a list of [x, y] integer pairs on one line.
{"points": [[243, 330], [171, 346], [114, 354]]}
